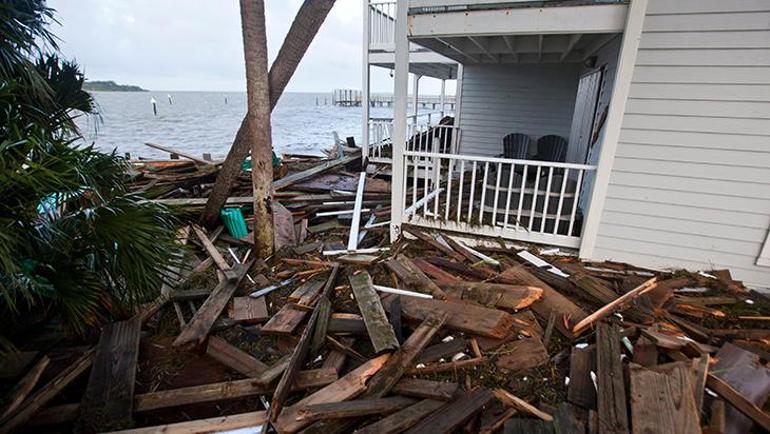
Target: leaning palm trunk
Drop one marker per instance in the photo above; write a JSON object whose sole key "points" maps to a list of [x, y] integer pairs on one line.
{"points": [[304, 28], [258, 120]]}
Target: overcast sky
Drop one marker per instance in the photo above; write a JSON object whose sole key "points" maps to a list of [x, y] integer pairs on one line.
{"points": [[197, 45]]}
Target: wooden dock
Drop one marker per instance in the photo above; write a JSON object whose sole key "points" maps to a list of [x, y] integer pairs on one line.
{"points": [[353, 98]]}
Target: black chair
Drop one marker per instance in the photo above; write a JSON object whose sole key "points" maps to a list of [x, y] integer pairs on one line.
{"points": [[516, 146], [552, 148]]}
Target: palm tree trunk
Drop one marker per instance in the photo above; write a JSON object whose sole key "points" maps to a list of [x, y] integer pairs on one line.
{"points": [[304, 28], [258, 121]]}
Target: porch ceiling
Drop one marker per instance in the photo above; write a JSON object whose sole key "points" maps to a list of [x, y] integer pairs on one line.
{"points": [[549, 48]]}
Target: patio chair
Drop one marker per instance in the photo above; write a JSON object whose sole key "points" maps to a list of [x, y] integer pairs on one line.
{"points": [[516, 146], [551, 148]]}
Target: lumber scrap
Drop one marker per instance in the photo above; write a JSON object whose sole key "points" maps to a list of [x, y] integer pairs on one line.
{"points": [[431, 241], [214, 424], [196, 331], [528, 426], [663, 402], [437, 274], [359, 407], [413, 277], [611, 390], [384, 380], [336, 359], [300, 352], [610, 307], [13, 364], [23, 387], [443, 349], [593, 287], [552, 301], [427, 389], [581, 389], [502, 296], [211, 249], [403, 419], [380, 331], [454, 414], [521, 405], [235, 358], [478, 273], [295, 178], [107, 403], [522, 354], [249, 310], [470, 318], [45, 394], [178, 152], [212, 392], [567, 421], [347, 387]]}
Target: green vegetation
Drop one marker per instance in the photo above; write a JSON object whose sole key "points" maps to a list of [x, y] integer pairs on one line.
{"points": [[111, 86], [76, 247]]}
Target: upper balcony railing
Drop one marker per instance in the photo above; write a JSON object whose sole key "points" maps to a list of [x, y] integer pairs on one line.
{"points": [[382, 25]]}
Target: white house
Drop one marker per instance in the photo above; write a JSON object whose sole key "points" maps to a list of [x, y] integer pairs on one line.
{"points": [[635, 131]]}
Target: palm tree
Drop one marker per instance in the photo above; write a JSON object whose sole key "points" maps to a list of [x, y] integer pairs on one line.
{"points": [[75, 244], [306, 24], [258, 120]]}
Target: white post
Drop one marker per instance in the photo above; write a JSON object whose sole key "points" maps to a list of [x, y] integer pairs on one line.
{"points": [[624, 72], [400, 95], [416, 90], [365, 85], [443, 96], [458, 108]]}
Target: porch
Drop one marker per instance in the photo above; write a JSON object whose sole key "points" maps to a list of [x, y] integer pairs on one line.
{"points": [[519, 157]]}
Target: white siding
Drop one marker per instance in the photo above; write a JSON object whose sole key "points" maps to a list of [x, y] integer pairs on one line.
{"points": [[690, 184], [501, 99]]}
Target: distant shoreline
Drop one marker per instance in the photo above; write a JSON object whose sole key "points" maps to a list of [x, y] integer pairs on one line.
{"points": [[111, 86]]}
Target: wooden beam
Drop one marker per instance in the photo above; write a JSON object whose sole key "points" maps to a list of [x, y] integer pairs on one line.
{"points": [[454, 414], [403, 419], [178, 152], [214, 424], [611, 390], [481, 46], [573, 40], [663, 402], [359, 407], [501, 296], [413, 277], [107, 403], [196, 331], [23, 387], [427, 389], [211, 249], [461, 52], [379, 329], [235, 358], [508, 39], [521, 405], [610, 307]]}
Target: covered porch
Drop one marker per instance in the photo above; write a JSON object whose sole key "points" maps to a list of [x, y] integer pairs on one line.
{"points": [[519, 158]]}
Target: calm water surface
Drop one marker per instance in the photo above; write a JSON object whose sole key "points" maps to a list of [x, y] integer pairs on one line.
{"points": [[199, 122]]}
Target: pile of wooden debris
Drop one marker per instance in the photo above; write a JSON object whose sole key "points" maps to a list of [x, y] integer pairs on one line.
{"points": [[340, 332]]}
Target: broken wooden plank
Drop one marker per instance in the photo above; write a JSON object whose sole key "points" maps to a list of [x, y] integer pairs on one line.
{"points": [[214, 424], [46, 393], [359, 407], [454, 414], [347, 387], [528, 426], [611, 391], [428, 389], [581, 389], [443, 349], [431, 241], [249, 310], [107, 403], [522, 354], [608, 308], [434, 272], [497, 295], [234, 358], [470, 318], [23, 387], [356, 222], [196, 331], [300, 352], [379, 329], [403, 419], [663, 402], [285, 321], [294, 178], [552, 302], [336, 359], [211, 249], [179, 153], [413, 277], [391, 373], [521, 405]]}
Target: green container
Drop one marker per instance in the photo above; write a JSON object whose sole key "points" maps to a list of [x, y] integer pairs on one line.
{"points": [[246, 165], [234, 222]]}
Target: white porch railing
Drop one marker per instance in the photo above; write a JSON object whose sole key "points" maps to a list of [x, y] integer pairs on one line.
{"points": [[525, 200], [420, 137], [382, 25]]}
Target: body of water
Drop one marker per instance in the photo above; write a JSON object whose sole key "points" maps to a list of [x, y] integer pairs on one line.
{"points": [[198, 122]]}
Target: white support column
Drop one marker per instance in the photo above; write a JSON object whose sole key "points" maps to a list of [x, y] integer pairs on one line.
{"points": [[400, 95], [625, 70], [416, 90], [458, 105], [365, 84], [443, 96]]}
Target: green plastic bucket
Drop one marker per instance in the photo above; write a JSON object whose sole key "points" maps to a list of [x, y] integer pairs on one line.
{"points": [[234, 222]]}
